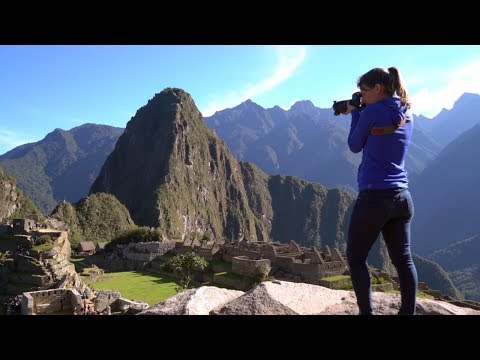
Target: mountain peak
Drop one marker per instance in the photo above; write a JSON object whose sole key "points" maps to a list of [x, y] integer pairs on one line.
{"points": [[249, 104], [175, 94], [55, 135], [466, 98], [305, 106], [167, 107]]}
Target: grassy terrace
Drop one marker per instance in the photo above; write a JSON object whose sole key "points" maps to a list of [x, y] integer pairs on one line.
{"points": [[336, 278], [138, 285], [420, 294]]}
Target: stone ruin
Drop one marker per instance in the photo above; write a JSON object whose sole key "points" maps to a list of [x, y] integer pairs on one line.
{"points": [[48, 302], [286, 260]]}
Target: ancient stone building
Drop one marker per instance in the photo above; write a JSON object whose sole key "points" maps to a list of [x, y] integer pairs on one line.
{"points": [[56, 301], [23, 226]]}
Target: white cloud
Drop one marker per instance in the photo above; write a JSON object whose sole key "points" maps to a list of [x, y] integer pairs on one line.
{"points": [[451, 85], [287, 107], [289, 58]]}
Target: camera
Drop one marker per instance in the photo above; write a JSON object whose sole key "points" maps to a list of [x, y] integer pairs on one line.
{"points": [[339, 107]]}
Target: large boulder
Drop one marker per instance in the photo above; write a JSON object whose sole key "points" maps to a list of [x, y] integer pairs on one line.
{"points": [[198, 301], [289, 298]]}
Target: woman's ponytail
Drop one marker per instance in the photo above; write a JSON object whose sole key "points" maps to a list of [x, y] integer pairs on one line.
{"points": [[398, 85]]}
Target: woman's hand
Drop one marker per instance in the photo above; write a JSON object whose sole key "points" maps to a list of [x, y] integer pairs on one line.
{"points": [[349, 108]]}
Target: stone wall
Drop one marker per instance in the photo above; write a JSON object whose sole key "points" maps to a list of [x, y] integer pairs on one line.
{"points": [[146, 251], [105, 298], [229, 252], [51, 301], [308, 272], [332, 268], [242, 265], [230, 282]]}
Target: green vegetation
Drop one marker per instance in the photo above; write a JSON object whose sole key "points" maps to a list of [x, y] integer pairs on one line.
{"points": [[185, 264], [4, 258], [460, 260], [378, 281], [98, 217], [140, 234], [62, 165], [339, 282], [467, 281], [261, 274], [230, 275], [43, 247], [336, 278], [435, 277], [11, 197], [420, 294], [138, 285], [26, 208], [79, 263]]}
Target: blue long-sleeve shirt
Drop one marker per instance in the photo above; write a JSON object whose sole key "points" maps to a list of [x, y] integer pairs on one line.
{"points": [[383, 158]]}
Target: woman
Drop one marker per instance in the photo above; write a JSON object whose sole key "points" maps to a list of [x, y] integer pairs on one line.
{"points": [[382, 129]]}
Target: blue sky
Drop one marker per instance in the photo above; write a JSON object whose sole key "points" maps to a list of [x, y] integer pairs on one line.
{"points": [[63, 86]]}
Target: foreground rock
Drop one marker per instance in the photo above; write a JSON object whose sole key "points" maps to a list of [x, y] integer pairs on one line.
{"points": [[288, 298], [198, 301]]}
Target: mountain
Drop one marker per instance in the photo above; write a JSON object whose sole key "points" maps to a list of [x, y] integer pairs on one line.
{"points": [[445, 195], [458, 255], [304, 141], [460, 259], [63, 165], [98, 217], [449, 124], [13, 204], [436, 278], [171, 171]]}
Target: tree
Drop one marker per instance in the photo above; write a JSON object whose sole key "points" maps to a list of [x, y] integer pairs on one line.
{"points": [[185, 264], [261, 274]]}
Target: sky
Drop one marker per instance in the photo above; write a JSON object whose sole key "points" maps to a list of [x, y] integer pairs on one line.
{"points": [[64, 86]]}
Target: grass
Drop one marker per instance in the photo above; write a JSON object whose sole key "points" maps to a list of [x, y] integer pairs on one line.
{"points": [[43, 247], [79, 264], [336, 278], [230, 275], [420, 294], [138, 285]]}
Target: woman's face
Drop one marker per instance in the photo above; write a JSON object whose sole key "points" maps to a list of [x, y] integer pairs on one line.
{"points": [[373, 94]]}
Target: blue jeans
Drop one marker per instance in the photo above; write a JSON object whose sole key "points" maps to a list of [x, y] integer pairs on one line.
{"points": [[389, 211]]}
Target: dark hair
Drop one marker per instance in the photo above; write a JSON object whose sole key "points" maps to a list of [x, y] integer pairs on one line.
{"points": [[391, 80]]}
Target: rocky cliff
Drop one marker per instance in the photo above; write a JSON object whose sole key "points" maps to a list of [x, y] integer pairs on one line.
{"points": [[12, 201]]}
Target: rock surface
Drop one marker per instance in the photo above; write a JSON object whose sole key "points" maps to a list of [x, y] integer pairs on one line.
{"points": [[198, 301], [288, 298]]}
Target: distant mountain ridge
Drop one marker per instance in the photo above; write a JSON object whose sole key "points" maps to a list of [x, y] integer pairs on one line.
{"points": [[449, 184], [446, 201], [449, 124], [303, 141], [63, 165]]}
